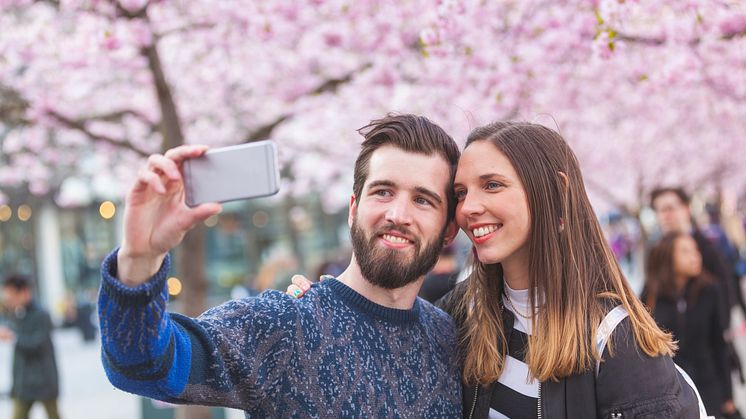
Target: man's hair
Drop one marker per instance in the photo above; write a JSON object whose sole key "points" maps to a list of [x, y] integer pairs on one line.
{"points": [[678, 191], [17, 281], [410, 133]]}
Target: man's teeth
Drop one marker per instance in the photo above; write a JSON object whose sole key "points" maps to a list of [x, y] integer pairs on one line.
{"points": [[482, 231], [395, 239]]}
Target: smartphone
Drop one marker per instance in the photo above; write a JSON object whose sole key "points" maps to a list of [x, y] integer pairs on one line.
{"points": [[231, 173]]}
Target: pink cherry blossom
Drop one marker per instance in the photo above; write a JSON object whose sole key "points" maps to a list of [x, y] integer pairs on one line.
{"points": [[646, 92]]}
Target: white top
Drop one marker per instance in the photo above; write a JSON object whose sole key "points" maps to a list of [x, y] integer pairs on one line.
{"points": [[519, 302]]}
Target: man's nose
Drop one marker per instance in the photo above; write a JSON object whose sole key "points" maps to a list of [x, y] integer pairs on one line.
{"points": [[399, 212]]}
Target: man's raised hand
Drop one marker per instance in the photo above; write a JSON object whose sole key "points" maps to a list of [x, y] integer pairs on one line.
{"points": [[156, 217]]}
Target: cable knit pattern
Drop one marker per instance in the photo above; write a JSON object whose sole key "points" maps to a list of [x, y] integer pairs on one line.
{"points": [[332, 353]]}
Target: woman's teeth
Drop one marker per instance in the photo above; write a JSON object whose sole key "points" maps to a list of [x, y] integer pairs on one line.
{"points": [[483, 231]]}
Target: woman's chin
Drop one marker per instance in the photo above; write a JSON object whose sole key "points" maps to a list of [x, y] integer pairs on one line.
{"points": [[488, 259]]}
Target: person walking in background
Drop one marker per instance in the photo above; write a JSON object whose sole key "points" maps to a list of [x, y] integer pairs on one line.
{"points": [[34, 366], [672, 210], [671, 206], [714, 231], [684, 301]]}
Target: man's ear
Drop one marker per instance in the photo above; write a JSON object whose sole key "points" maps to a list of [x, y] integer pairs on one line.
{"points": [[451, 232], [352, 211]]}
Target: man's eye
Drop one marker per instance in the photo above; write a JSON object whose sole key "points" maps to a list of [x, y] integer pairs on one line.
{"points": [[382, 192], [422, 201]]}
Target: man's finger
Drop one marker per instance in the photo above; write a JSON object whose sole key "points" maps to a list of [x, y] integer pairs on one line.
{"points": [[294, 291], [301, 282], [151, 179], [160, 163], [181, 153]]}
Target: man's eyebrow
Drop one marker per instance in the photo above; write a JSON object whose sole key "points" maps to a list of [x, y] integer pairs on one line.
{"points": [[434, 196], [376, 183], [420, 189]]}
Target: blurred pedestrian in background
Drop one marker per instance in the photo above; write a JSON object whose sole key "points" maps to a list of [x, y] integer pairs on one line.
{"points": [[672, 210], [714, 230], [34, 365], [685, 302]]}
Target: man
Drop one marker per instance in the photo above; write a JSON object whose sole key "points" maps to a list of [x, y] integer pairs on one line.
{"points": [[672, 210], [361, 345], [34, 365]]}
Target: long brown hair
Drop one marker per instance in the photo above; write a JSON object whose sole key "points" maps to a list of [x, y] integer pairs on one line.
{"points": [[571, 268], [660, 278]]}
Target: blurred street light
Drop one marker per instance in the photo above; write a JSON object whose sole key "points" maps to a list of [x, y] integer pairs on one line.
{"points": [[174, 286], [107, 209], [5, 213], [24, 212]]}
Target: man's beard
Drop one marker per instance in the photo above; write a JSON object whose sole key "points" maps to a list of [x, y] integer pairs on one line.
{"points": [[391, 268]]}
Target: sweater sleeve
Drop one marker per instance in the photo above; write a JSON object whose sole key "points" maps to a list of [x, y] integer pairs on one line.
{"points": [[233, 355]]}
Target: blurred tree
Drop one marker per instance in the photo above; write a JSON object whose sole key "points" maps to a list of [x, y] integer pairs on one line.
{"points": [[648, 93]]}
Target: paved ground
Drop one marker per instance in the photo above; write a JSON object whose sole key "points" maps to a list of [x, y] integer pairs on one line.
{"points": [[86, 393]]}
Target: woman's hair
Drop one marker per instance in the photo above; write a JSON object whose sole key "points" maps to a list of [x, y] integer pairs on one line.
{"points": [[660, 278], [572, 269]]}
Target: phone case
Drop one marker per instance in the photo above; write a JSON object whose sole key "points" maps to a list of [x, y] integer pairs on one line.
{"points": [[231, 173]]}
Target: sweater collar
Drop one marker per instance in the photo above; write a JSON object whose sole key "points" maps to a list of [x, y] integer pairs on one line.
{"points": [[361, 304]]}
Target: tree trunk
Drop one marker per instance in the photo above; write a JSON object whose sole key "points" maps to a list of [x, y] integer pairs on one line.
{"points": [[191, 268], [190, 264], [170, 125], [292, 231]]}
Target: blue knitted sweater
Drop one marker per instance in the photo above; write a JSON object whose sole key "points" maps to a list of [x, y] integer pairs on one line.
{"points": [[332, 353]]}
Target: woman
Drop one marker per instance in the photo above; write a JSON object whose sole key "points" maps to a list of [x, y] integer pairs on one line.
{"points": [[543, 280], [684, 301]]}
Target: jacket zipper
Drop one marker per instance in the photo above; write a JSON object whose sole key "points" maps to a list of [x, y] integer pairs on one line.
{"points": [[538, 404], [474, 403]]}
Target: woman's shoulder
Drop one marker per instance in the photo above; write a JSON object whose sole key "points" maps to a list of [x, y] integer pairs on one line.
{"points": [[657, 384]]}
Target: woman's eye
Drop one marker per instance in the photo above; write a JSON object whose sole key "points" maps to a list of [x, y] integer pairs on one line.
{"points": [[492, 185], [460, 194]]}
